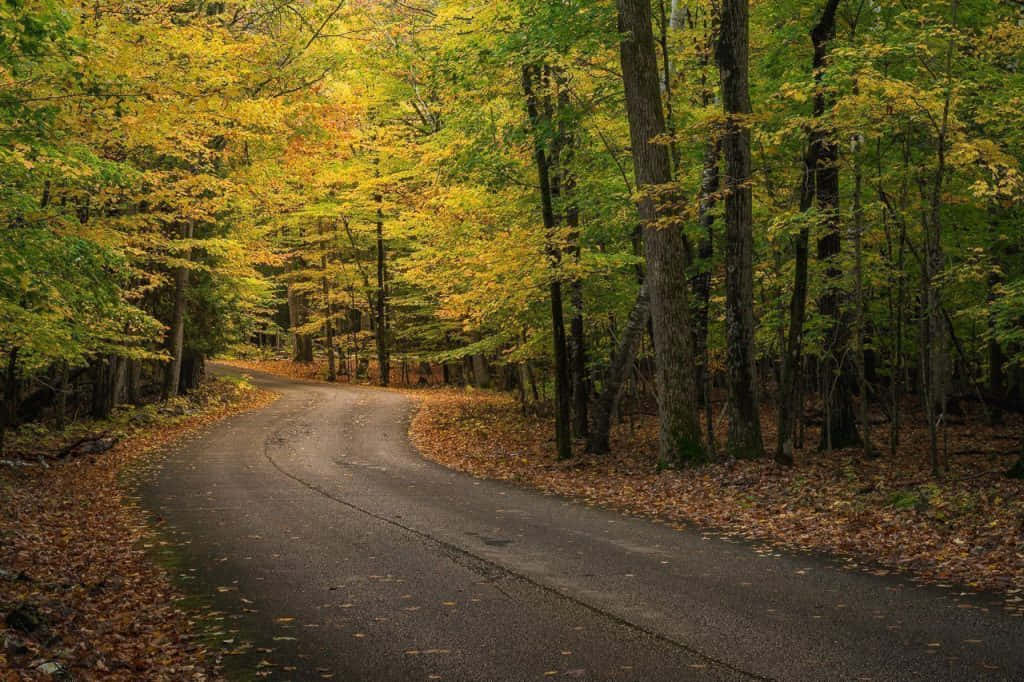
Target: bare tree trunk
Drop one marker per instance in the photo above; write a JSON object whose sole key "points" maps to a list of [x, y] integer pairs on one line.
{"points": [[732, 56], [665, 251]]}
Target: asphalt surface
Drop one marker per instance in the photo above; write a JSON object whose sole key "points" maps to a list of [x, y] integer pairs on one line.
{"points": [[328, 544]]}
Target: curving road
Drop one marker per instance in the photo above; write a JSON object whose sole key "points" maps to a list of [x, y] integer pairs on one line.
{"points": [[336, 550]]}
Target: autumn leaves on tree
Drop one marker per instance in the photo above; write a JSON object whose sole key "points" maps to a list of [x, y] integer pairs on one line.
{"points": [[716, 211]]}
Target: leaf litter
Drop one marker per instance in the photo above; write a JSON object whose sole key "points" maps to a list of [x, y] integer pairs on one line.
{"points": [[81, 594]]}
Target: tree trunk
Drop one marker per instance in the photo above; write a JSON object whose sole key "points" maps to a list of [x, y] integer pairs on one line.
{"points": [[563, 435], [134, 379], [789, 402], [860, 295], [481, 371], [732, 56], [60, 407], [177, 340], [332, 374], [701, 283], [665, 250], [383, 340], [996, 357], [12, 393], [935, 340], [104, 372], [192, 370], [606, 405], [297, 315]]}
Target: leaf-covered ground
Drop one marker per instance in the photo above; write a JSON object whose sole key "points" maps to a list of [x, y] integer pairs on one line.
{"points": [[80, 594], [886, 514], [308, 371]]}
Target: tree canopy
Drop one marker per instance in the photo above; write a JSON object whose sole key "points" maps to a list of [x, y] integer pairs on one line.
{"points": [[783, 204]]}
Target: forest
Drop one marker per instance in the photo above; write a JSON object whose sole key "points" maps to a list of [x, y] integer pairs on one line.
{"points": [[803, 213], [736, 285]]}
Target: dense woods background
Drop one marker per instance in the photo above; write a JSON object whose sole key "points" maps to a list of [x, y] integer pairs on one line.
{"points": [[806, 212]]}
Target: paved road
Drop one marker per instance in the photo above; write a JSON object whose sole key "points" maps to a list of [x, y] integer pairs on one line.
{"points": [[333, 547]]}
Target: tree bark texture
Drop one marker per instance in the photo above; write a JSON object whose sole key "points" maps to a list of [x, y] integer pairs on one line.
{"points": [[732, 56], [665, 251]]}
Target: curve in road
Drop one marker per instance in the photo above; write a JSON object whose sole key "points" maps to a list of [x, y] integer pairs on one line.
{"points": [[339, 552]]}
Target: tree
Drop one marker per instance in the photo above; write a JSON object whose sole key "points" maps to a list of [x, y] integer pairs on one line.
{"points": [[732, 55], [664, 247]]}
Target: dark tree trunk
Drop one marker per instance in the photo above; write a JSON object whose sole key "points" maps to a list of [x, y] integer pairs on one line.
{"points": [[192, 370], [709, 188], [104, 372], [840, 426], [12, 394], [607, 403], [665, 250], [814, 160], [481, 371], [382, 337], [563, 435], [996, 357], [134, 395], [701, 283], [566, 145], [732, 56], [790, 402], [177, 339], [580, 379], [297, 315], [119, 379], [60, 408], [332, 374]]}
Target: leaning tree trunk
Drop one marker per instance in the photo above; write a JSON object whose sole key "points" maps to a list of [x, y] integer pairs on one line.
{"points": [[732, 55], [665, 251]]}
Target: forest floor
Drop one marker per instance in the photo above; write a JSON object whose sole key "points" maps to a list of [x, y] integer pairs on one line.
{"points": [[81, 593], [884, 515]]}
